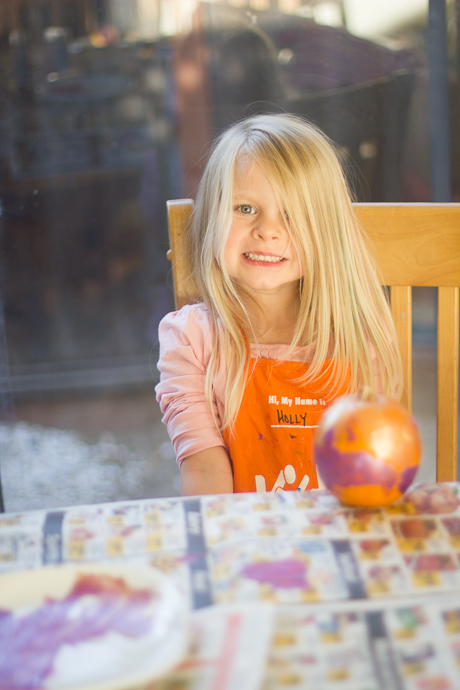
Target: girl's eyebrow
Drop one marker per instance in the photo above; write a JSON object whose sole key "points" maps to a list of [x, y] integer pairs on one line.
{"points": [[243, 200]]}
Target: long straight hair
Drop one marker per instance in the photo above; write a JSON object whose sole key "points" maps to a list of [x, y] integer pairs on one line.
{"points": [[343, 313]]}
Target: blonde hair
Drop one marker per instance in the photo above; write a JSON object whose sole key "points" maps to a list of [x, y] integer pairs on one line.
{"points": [[342, 308]]}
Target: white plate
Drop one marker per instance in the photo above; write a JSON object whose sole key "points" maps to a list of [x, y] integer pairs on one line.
{"points": [[59, 642]]}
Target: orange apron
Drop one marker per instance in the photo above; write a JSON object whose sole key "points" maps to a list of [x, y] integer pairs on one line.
{"points": [[271, 446]]}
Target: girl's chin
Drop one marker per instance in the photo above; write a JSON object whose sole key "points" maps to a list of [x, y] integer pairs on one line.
{"points": [[268, 287]]}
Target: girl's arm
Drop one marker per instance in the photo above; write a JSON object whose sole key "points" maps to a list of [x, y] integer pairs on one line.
{"points": [[186, 340], [206, 472]]}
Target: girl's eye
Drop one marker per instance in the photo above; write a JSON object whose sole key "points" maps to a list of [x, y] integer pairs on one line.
{"points": [[246, 208]]}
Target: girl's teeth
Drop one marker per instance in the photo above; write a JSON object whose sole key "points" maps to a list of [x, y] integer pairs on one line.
{"points": [[262, 257]]}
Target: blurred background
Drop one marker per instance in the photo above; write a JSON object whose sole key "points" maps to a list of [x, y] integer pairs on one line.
{"points": [[108, 109]]}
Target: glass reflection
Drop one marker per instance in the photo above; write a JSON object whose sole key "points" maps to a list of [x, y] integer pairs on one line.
{"points": [[108, 108]]}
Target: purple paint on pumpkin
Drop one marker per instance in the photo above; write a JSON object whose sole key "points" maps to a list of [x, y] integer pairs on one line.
{"points": [[338, 468], [260, 437], [351, 433], [288, 573], [407, 477]]}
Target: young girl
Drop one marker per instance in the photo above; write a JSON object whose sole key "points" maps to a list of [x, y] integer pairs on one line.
{"points": [[293, 314]]}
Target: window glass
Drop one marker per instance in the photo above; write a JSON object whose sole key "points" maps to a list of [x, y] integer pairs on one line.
{"points": [[108, 109]]}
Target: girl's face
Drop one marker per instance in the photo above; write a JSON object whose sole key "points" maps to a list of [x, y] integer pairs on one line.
{"points": [[259, 253]]}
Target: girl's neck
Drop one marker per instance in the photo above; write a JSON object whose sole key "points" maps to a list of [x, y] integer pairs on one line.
{"points": [[271, 323]]}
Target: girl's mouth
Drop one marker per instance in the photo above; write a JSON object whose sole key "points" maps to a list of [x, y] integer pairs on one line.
{"points": [[263, 257]]}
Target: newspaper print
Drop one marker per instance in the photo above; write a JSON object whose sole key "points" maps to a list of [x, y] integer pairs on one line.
{"points": [[123, 529], [411, 647], [21, 540], [228, 652], [283, 547], [279, 571], [376, 591]]}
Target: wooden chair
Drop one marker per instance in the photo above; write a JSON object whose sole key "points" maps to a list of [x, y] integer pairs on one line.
{"points": [[415, 244]]}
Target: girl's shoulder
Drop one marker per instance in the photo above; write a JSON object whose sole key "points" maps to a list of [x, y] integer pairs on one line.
{"points": [[191, 324], [189, 314]]}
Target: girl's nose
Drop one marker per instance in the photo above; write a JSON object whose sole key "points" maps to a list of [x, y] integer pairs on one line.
{"points": [[267, 231]]}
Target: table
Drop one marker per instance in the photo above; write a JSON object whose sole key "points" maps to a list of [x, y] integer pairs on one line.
{"points": [[311, 594]]}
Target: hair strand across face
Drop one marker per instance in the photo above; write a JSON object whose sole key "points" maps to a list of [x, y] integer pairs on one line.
{"points": [[343, 315]]}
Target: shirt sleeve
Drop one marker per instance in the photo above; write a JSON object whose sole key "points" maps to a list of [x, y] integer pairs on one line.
{"points": [[186, 339]]}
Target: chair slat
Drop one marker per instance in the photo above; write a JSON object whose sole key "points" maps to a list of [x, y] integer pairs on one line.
{"points": [[401, 309], [415, 244], [179, 212], [447, 413]]}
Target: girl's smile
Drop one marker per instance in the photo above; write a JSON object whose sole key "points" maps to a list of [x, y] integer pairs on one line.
{"points": [[259, 253], [261, 257]]}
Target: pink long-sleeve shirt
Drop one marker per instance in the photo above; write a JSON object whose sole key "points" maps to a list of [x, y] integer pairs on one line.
{"points": [[186, 340]]}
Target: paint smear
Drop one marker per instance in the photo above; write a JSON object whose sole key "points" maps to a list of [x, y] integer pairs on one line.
{"points": [[287, 574], [97, 605]]}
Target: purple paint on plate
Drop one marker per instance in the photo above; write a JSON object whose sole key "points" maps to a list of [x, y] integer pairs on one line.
{"points": [[29, 643]]}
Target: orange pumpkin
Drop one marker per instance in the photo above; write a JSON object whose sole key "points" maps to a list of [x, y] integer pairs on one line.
{"points": [[367, 449]]}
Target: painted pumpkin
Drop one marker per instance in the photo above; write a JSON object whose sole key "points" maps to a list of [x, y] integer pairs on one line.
{"points": [[367, 449]]}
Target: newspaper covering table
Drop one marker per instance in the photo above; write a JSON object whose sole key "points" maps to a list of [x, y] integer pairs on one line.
{"points": [[358, 598]]}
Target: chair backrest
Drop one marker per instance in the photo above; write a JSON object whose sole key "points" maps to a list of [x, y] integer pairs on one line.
{"points": [[415, 245]]}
